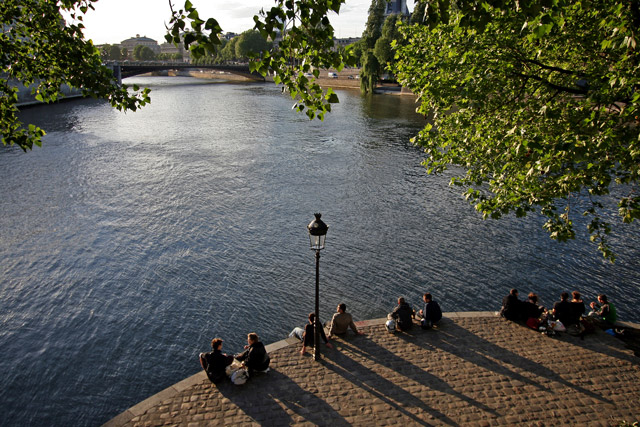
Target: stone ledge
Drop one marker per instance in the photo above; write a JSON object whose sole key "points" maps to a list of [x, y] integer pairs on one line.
{"points": [[141, 408]]}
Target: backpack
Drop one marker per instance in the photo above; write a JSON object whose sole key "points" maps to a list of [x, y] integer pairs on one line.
{"points": [[240, 376], [533, 323], [390, 325]]}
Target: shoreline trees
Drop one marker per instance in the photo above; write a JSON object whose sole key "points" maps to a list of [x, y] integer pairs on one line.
{"points": [[537, 101]]}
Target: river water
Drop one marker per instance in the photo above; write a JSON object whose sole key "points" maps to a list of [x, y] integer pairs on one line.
{"points": [[130, 240]]}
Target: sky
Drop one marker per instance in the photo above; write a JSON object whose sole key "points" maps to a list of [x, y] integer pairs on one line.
{"points": [[113, 21]]}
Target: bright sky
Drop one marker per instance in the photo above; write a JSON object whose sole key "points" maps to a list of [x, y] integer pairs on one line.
{"points": [[113, 21]]}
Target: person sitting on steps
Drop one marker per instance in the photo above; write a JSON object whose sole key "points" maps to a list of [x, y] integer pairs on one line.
{"points": [[530, 308], [215, 362], [403, 314], [577, 307], [309, 334], [604, 312], [431, 313], [254, 357], [511, 306], [342, 321], [562, 310]]}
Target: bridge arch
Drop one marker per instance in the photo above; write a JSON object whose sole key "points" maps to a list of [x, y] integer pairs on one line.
{"points": [[124, 69]]}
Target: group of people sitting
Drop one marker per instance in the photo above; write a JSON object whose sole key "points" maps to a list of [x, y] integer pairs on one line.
{"points": [[253, 359], [401, 318], [340, 324], [567, 312]]}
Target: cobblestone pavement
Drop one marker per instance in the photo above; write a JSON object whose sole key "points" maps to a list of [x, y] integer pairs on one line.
{"points": [[478, 370]]}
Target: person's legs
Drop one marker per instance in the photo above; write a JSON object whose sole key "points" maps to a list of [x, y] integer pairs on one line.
{"points": [[426, 324], [297, 332]]}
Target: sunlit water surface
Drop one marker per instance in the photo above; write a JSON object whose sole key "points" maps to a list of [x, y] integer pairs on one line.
{"points": [[130, 240]]}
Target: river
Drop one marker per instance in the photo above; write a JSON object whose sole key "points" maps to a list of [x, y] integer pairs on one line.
{"points": [[130, 240]]}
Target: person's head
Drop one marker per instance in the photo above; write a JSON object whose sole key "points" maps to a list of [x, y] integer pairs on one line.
{"points": [[576, 295], [602, 298], [400, 301], [427, 297], [252, 338], [564, 296], [342, 307], [216, 343], [514, 292], [533, 297], [312, 317]]}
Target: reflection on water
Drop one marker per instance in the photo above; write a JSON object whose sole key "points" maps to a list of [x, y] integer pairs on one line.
{"points": [[130, 240]]}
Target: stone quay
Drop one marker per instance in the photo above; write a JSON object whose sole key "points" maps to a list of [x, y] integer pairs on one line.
{"points": [[475, 369]]}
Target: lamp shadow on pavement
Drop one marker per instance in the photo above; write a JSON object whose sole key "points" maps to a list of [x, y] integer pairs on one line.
{"points": [[458, 341], [266, 397], [402, 363], [605, 344], [376, 385]]}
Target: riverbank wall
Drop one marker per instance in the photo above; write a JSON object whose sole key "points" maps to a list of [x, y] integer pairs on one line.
{"points": [[27, 98], [475, 368], [348, 78]]}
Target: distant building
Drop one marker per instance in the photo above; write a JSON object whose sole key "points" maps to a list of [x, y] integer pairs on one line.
{"points": [[172, 49], [130, 44], [229, 36], [398, 7], [345, 42]]}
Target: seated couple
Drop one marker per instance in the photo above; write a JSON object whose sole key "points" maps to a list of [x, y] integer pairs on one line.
{"points": [[254, 359], [340, 324], [403, 314], [569, 312], [517, 310]]}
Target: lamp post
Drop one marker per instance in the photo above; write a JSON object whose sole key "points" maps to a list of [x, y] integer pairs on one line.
{"points": [[317, 233]]}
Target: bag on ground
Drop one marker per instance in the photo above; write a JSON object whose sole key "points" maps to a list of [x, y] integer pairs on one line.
{"points": [[239, 376], [533, 323], [558, 326], [390, 325], [588, 325]]}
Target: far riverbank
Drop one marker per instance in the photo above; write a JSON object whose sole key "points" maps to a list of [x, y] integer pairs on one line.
{"points": [[348, 78]]}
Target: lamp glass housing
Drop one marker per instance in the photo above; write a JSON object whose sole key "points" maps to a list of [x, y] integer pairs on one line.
{"points": [[317, 242], [317, 233]]}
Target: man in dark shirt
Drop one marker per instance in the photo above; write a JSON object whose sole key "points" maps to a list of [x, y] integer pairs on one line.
{"points": [[511, 306], [563, 311], [308, 336], [254, 357], [403, 313], [431, 313], [215, 362]]}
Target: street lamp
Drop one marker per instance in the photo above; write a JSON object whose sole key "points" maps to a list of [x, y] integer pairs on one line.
{"points": [[317, 233]]}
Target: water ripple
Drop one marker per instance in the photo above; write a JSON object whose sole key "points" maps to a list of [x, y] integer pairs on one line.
{"points": [[130, 240]]}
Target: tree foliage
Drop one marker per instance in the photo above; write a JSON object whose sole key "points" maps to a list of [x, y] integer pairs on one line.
{"points": [[228, 52], [143, 53], [306, 47], [115, 53], [41, 51], [390, 37], [373, 31], [110, 52], [538, 102], [251, 43]]}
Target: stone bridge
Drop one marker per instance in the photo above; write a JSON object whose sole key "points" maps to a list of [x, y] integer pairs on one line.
{"points": [[124, 69]]}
